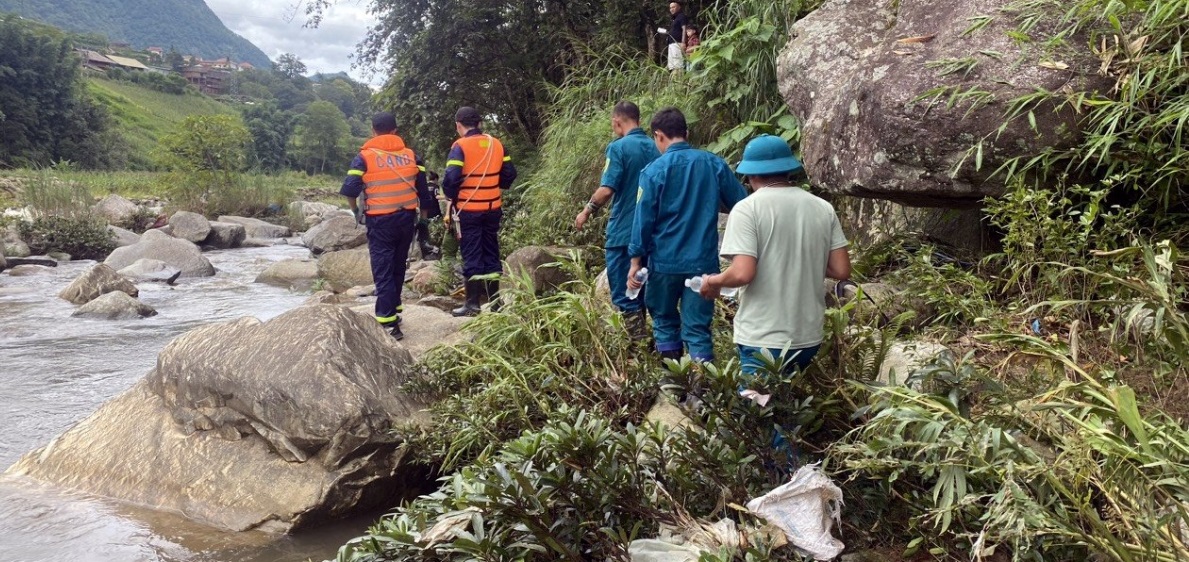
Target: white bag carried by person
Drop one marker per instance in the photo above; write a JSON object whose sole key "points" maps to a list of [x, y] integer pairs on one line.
{"points": [[806, 509], [676, 57]]}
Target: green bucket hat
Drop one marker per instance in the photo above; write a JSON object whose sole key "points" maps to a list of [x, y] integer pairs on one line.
{"points": [[767, 155]]}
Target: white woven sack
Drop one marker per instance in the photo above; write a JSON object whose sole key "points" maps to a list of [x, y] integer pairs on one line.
{"points": [[806, 508]]}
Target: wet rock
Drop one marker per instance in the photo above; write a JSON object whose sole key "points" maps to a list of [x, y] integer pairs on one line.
{"points": [[33, 260], [337, 233], [905, 358], [123, 237], [14, 247], [424, 327], [59, 256], [178, 253], [345, 269], [245, 425], [256, 228], [148, 269], [293, 274], [190, 226], [258, 242], [29, 270], [314, 213], [114, 306], [542, 264], [424, 281], [328, 297], [361, 291], [225, 235], [116, 209], [854, 74], [100, 279]]}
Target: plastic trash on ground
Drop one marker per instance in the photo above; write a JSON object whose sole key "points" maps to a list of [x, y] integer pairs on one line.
{"points": [[688, 543], [806, 508]]}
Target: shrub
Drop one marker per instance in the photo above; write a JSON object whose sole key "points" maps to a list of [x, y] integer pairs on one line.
{"points": [[83, 237]]}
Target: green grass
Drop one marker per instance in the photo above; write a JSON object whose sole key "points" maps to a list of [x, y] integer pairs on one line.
{"points": [[143, 116]]}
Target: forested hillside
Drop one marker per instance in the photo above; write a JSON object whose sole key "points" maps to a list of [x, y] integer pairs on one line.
{"points": [[187, 25]]}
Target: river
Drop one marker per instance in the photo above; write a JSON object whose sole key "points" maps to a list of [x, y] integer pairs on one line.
{"points": [[55, 370]]}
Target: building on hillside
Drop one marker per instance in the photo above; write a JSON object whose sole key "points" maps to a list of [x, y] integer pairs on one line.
{"points": [[246, 66], [209, 81], [128, 64], [119, 45], [96, 61], [156, 51], [223, 63]]}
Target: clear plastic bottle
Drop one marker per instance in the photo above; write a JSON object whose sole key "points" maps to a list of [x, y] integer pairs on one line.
{"points": [[695, 285], [642, 277]]}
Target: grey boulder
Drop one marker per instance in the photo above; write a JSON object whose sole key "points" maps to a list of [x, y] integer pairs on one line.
{"points": [[123, 236], [295, 274], [345, 269], [100, 279], [861, 75], [313, 213], [256, 228], [338, 233], [178, 253], [275, 426], [225, 235], [542, 264], [115, 209], [114, 306], [151, 270], [189, 226]]}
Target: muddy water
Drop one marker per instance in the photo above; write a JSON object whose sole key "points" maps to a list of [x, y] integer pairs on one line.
{"points": [[55, 370]]}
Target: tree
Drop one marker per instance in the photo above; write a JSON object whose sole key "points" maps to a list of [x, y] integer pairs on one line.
{"points": [[175, 60], [321, 137], [271, 129], [207, 152], [289, 66], [47, 115]]}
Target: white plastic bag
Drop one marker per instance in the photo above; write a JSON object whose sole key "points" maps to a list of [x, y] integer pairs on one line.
{"points": [[806, 509], [654, 550], [676, 57]]}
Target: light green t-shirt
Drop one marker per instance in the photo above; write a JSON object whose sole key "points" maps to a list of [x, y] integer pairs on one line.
{"points": [[790, 232]]}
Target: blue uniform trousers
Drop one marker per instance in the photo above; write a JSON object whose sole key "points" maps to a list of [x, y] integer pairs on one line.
{"points": [[388, 239], [618, 265], [679, 315], [480, 243]]}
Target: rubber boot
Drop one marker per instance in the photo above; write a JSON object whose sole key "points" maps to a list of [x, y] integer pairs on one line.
{"points": [[492, 290], [474, 293]]}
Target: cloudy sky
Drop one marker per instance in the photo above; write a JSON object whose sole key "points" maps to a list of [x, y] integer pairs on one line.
{"points": [[276, 27]]}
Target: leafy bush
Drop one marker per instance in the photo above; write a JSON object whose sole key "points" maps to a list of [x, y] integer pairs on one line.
{"points": [[207, 154], [83, 237]]}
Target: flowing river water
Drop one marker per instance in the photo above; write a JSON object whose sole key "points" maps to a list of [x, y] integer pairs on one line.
{"points": [[56, 370]]}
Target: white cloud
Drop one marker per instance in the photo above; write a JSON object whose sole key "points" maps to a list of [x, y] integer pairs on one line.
{"points": [[276, 26]]}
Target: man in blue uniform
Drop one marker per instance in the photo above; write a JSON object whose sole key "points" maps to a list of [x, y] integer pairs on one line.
{"points": [[391, 179], [675, 233], [477, 170], [626, 157]]}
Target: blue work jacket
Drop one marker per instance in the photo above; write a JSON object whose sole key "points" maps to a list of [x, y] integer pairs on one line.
{"points": [[626, 157]]}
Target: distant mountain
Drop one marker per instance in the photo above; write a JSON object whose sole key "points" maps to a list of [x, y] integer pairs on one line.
{"points": [[188, 25]]}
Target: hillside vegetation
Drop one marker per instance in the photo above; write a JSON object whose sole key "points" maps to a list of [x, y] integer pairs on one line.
{"points": [[142, 116], [187, 25]]}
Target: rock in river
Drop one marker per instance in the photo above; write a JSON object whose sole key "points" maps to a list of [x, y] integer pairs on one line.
{"points": [[99, 280], [158, 245], [248, 425]]}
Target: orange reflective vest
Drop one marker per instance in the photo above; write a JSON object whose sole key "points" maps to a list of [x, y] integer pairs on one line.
{"points": [[391, 177], [482, 159]]}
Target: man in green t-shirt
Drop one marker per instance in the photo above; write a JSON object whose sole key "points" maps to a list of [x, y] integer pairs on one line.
{"points": [[782, 242]]}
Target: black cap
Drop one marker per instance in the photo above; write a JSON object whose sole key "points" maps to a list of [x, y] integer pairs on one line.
{"points": [[468, 116], [384, 122]]}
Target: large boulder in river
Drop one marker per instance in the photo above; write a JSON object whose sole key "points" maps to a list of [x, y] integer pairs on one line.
{"points": [[315, 212], [338, 233], [247, 425], [256, 228], [296, 274], [99, 280], [114, 306], [148, 269], [158, 245], [14, 247], [346, 268], [225, 235], [189, 226], [115, 209], [859, 75], [123, 237]]}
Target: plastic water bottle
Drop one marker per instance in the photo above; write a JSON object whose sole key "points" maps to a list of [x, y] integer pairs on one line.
{"points": [[695, 285], [642, 277]]}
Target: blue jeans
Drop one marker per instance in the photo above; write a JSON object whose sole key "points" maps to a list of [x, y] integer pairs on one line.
{"points": [[618, 265], [751, 358], [679, 316]]}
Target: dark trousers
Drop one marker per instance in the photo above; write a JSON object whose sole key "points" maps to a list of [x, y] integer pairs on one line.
{"points": [[388, 239], [480, 243], [423, 233]]}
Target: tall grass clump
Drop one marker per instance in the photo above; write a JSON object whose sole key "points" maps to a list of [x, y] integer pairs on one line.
{"points": [[62, 219]]}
